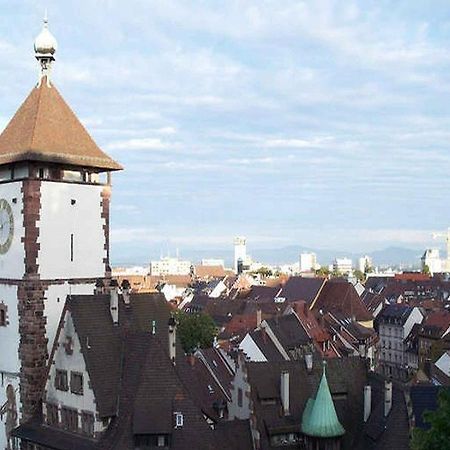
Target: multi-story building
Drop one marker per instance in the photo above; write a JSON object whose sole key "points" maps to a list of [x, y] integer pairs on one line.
{"points": [[54, 234], [343, 265], [395, 323], [308, 262], [170, 266], [365, 263], [432, 260]]}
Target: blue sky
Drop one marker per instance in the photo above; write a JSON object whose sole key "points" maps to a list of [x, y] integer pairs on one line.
{"points": [[317, 123]]}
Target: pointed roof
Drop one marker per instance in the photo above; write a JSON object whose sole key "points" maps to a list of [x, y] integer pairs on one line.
{"points": [[320, 418], [44, 128]]}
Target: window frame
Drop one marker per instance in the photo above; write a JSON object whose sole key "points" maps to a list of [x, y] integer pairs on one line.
{"points": [[60, 376], [74, 388]]}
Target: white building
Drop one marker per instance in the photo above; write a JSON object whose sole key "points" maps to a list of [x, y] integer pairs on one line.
{"points": [[395, 322], [124, 271], [240, 251], [432, 259], [170, 266], [308, 262], [364, 263], [342, 265], [213, 262]]}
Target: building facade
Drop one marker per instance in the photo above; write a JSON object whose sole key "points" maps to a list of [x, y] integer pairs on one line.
{"points": [[395, 323]]}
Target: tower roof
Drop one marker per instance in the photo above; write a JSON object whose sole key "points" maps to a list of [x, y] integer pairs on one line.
{"points": [[320, 418], [45, 129]]}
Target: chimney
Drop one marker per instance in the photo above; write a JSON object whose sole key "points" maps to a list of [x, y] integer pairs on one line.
{"points": [[309, 362], [126, 290], [114, 301], [367, 402], [264, 334], [99, 286], [258, 317], [172, 339], [284, 385], [387, 397]]}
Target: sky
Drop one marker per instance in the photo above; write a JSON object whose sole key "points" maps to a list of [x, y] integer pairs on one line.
{"points": [[323, 124]]}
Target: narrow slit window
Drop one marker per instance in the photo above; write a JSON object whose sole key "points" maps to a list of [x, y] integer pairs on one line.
{"points": [[71, 247]]}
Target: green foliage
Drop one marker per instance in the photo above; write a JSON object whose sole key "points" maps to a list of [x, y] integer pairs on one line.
{"points": [[195, 331], [360, 276], [324, 271], [367, 268], [264, 272], [438, 436], [426, 270]]}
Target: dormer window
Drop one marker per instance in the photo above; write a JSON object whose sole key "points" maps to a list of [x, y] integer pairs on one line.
{"points": [[179, 420]]}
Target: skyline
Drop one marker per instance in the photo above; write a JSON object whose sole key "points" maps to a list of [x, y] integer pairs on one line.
{"points": [[306, 125]]}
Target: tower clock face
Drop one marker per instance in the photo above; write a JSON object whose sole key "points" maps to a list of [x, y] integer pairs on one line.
{"points": [[6, 226]]}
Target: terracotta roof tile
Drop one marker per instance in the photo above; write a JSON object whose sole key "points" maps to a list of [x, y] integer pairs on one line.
{"points": [[44, 128]]}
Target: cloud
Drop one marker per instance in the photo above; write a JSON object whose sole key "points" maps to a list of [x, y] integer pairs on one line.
{"points": [[141, 144]]}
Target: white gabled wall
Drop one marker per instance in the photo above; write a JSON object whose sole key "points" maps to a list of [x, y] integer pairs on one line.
{"points": [[71, 362], [54, 303], [59, 219], [12, 264], [251, 350], [415, 317]]}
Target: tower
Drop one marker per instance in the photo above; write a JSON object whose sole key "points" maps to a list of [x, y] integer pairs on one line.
{"points": [[240, 251], [54, 230]]}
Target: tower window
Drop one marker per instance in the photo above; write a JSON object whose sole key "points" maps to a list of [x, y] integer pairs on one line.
{"points": [[71, 247], [3, 315]]}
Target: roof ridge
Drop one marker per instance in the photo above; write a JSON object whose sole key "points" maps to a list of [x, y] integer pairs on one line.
{"points": [[38, 105]]}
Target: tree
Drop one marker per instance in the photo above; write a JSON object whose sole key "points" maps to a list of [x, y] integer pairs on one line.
{"points": [[438, 436], [426, 269], [360, 276], [265, 272], [323, 271], [195, 331]]}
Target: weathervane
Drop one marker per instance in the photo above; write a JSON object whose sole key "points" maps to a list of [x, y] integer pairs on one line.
{"points": [[45, 47]]}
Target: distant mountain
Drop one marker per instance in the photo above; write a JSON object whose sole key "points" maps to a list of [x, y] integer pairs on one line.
{"points": [[396, 256]]}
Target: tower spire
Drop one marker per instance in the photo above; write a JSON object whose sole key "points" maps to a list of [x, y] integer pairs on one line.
{"points": [[45, 47]]}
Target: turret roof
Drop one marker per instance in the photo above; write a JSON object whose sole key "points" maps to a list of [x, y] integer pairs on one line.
{"points": [[44, 128], [320, 418]]}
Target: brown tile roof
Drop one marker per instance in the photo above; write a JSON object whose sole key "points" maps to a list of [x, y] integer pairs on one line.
{"points": [[44, 128], [341, 296], [301, 288], [202, 271]]}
